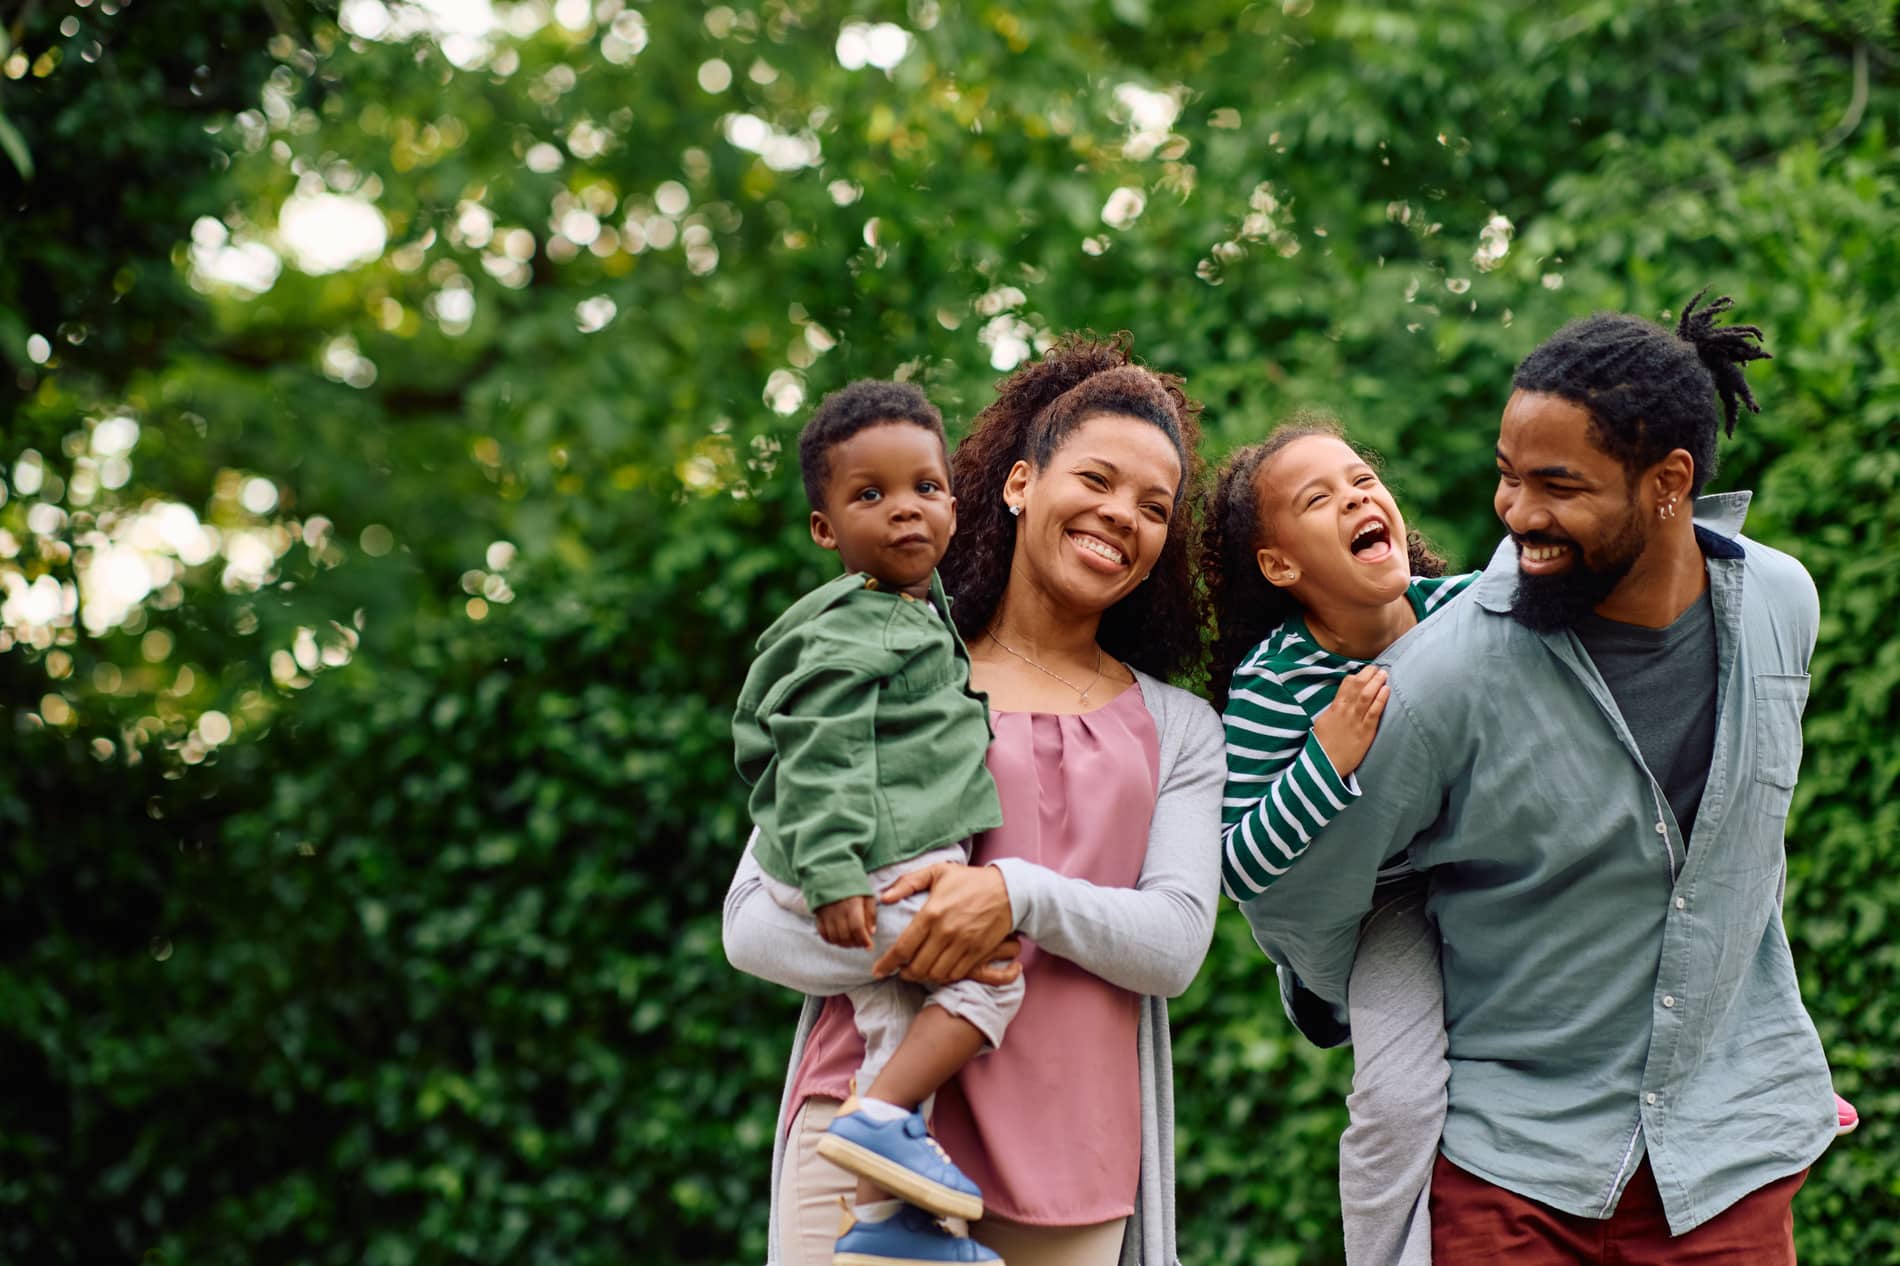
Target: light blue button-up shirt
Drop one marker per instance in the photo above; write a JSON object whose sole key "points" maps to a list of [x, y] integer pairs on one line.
{"points": [[1611, 989]]}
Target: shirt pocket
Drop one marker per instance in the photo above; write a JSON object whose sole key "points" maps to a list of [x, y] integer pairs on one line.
{"points": [[920, 641], [1779, 700]]}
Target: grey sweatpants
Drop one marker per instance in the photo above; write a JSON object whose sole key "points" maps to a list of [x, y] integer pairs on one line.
{"points": [[1396, 1005], [883, 1009]]}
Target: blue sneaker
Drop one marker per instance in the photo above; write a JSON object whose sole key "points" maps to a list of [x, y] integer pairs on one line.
{"points": [[901, 1157], [909, 1237]]}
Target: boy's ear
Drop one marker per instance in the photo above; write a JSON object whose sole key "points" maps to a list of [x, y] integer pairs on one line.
{"points": [[953, 517], [1279, 570], [821, 531]]}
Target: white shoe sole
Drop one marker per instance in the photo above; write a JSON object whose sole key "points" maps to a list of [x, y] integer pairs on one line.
{"points": [[900, 1182]]}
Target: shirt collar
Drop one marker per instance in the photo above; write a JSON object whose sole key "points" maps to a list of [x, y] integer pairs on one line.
{"points": [[1718, 521]]}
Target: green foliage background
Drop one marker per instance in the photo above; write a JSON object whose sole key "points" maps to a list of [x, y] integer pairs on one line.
{"points": [[408, 951]]}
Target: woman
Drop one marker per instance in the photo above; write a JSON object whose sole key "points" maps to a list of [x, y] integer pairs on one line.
{"points": [[1071, 582]]}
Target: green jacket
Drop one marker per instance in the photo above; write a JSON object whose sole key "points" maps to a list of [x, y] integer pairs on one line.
{"points": [[861, 738]]}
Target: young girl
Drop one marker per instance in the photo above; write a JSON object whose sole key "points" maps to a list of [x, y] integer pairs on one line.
{"points": [[1313, 575]]}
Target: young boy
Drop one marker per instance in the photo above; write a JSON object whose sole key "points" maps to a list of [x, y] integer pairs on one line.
{"points": [[864, 746]]}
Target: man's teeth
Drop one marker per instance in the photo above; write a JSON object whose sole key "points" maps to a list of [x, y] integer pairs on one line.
{"points": [[1095, 545], [1543, 553]]}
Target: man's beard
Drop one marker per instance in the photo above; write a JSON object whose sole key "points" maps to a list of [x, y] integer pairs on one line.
{"points": [[1547, 604]]}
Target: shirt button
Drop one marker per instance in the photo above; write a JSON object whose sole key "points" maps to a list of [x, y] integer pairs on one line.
{"points": [[1650, 1098], [1669, 1000], [1681, 904], [1661, 829]]}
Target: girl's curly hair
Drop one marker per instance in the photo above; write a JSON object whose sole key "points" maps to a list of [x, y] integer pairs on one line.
{"points": [[1247, 607], [1156, 628]]}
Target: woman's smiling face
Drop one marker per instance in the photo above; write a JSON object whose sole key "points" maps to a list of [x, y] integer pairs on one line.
{"points": [[1096, 517]]}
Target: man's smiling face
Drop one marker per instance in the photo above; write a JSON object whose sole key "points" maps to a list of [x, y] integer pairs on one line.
{"points": [[1572, 508]]}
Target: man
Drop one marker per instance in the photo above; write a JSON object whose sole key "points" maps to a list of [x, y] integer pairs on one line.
{"points": [[1590, 756]]}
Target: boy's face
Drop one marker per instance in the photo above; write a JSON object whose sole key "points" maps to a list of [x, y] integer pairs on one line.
{"points": [[888, 509]]}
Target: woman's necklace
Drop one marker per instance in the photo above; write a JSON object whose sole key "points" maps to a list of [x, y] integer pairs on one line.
{"points": [[1082, 692]]}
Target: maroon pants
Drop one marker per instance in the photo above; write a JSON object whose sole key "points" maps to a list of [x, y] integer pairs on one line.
{"points": [[1476, 1221]]}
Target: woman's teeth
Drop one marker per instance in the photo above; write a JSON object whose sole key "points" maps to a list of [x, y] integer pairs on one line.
{"points": [[1095, 545]]}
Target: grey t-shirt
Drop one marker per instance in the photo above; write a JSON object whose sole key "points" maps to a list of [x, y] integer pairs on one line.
{"points": [[1663, 681]]}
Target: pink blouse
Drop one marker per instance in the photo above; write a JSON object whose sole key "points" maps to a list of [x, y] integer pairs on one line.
{"points": [[1049, 1125]]}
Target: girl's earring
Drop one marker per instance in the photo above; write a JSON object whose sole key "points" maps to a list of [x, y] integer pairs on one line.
{"points": [[1015, 510]]}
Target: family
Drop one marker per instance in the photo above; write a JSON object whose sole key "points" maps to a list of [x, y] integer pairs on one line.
{"points": [[1516, 834]]}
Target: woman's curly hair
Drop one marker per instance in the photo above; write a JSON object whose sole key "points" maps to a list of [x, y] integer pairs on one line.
{"points": [[1246, 606], [1157, 627]]}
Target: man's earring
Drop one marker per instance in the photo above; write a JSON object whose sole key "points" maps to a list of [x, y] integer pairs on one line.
{"points": [[1015, 510]]}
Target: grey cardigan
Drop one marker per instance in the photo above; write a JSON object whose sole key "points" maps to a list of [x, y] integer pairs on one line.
{"points": [[1150, 939]]}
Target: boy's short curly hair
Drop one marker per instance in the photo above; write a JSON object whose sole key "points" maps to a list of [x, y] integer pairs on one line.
{"points": [[848, 410]]}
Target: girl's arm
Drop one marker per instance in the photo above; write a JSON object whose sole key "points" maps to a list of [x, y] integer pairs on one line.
{"points": [[1283, 781], [1282, 788], [1150, 938]]}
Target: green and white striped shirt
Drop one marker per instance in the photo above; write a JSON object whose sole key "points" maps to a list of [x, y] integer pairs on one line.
{"points": [[1282, 789]]}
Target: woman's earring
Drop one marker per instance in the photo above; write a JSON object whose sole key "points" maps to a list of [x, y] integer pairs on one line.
{"points": [[1015, 510]]}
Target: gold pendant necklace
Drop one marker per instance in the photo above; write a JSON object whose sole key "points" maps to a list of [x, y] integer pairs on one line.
{"points": [[1082, 692]]}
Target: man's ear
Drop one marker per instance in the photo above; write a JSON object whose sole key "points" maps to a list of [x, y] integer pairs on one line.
{"points": [[821, 531], [1673, 477], [1279, 570]]}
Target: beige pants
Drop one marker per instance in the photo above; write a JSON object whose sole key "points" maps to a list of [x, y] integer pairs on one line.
{"points": [[811, 1187]]}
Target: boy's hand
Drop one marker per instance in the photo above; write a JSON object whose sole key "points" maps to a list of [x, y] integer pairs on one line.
{"points": [[1347, 726], [848, 923]]}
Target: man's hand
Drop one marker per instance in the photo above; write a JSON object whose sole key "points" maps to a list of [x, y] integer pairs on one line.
{"points": [[1346, 727], [847, 923]]}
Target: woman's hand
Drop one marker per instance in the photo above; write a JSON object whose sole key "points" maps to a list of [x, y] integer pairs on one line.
{"points": [[963, 927]]}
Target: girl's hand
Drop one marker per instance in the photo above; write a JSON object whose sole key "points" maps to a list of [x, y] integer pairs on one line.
{"points": [[961, 929], [1346, 727], [847, 923]]}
